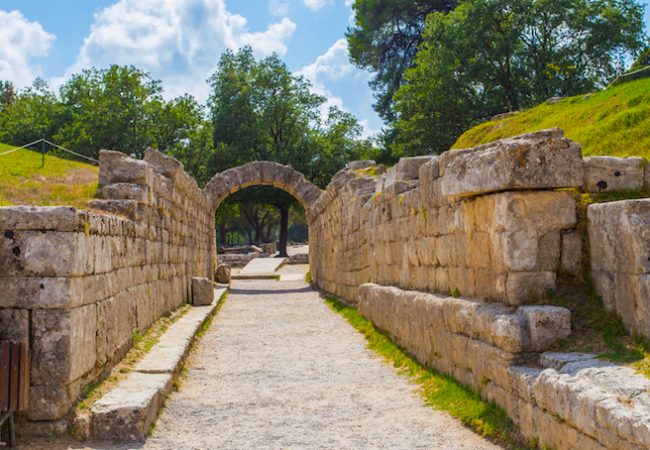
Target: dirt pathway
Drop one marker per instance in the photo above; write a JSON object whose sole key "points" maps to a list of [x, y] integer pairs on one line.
{"points": [[279, 369]]}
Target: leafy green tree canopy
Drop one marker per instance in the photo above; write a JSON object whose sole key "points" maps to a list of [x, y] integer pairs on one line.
{"points": [[385, 39], [491, 56]]}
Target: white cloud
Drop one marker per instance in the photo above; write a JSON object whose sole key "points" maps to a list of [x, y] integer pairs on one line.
{"points": [[177, 41], [278, 8], [22, 42], [315, 5], [334, 67]]}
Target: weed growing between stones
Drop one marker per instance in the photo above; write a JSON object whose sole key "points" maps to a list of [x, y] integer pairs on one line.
{"points": [[439, 391]]}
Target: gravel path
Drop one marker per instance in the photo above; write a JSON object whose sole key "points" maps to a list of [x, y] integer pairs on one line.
{"points": [[279, 369]]}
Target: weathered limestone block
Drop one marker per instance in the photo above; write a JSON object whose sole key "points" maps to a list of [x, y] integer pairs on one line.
{"points": [[116, 319], [360, 165], [128, 410], [48, 402], [59, 218], [619, 236], [202, 291], [116, 167], [126, 208], [163, 164], [63, 344], [557, 360], [50, 253], [223, 273], [14, 325], [126, 191], [36, 292], [545, 325], [619, 239], [608, 173], [529, 328], [533, 161]]}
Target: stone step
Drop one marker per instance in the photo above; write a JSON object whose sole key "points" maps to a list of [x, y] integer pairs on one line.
{"points": [[260, 268], [125, 413]]}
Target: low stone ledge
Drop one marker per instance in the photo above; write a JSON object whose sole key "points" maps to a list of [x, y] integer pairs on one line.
{"points": [[525, 329], [126, 412]]}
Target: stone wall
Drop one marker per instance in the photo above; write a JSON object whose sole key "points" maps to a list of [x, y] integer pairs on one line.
{"points": [[559, 400], [76, 284], [491, 229], [486, 222], [619, 241]]}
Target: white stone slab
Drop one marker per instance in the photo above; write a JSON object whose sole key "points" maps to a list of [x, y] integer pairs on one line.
{"points": [[261, 266]]}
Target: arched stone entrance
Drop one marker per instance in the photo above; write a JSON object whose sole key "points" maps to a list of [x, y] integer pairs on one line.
{"points": [[261, 173]]}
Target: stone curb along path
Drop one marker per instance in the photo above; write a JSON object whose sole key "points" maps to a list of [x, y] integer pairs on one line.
{"points": [[126, 412]]}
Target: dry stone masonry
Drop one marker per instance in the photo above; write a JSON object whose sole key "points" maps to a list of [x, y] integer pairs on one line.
{"points": [[448, 254]]}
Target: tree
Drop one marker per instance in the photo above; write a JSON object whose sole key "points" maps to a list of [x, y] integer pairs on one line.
{"points": [[33, 113], [643, 60], [492, 56], [7, 95], [259, 110], [385, 39], [114, 108]]}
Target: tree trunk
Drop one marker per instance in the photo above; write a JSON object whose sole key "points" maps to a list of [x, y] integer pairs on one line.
{"points": [[222, 232], [284, 230]]}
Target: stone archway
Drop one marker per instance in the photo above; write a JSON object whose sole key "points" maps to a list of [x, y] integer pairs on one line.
{"points": [[261, 173]]}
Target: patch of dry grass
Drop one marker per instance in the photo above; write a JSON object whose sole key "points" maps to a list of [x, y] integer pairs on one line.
{"points": [[25, 181]]}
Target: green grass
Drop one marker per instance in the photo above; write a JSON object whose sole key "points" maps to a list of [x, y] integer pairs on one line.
{"points": [[439, 391], [308, 278], [59, 182], [594, 329], [613, 122]]}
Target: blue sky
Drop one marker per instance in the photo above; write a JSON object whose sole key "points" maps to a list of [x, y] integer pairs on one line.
{"points": [[180, 41]]}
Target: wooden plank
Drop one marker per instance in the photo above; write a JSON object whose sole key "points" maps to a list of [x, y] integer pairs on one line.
{"points": [[23, 396], [13, 376], [5, 349]]}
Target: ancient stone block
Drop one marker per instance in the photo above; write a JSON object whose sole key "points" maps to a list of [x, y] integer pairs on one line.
{"points": [[14, 325], [63, 344], [126, 208], [48, 402], [126, 191], [545, 325], [59, 218], [45, 254], [161, 163], [608, 173], [116, 318], [202, 291], [116, 167], [223, 273], [538, 160]]}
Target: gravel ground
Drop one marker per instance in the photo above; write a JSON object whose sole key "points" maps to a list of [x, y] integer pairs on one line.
{"points": [[279, 369]]}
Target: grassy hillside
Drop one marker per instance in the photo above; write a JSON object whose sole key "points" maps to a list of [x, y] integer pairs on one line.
{"points": [[60, 182], [613, 122]]}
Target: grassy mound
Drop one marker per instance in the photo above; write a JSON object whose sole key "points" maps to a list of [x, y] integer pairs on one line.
{"points": [[613, 122], [59, 182]]}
